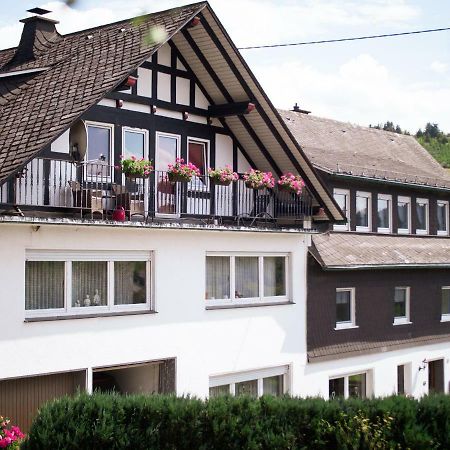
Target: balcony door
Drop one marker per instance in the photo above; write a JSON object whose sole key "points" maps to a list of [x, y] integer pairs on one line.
{"points": [[167, 194], [135, 143]]}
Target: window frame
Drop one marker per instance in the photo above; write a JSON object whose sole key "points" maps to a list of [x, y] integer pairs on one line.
{"points": [[388, 198], [346, 192], [142, 131], [261, 299], [346, 376], [196, 183], [425, 202], [406, 200], [110, 127], [368, 196], [404, 320], [445, 203], [259, 374], [444, 316], [352, 323], [68, 257]]}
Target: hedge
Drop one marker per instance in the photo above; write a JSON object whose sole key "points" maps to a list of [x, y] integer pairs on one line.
{"points": [[111, 421]]}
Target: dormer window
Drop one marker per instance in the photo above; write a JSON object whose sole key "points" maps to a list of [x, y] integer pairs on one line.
{"points": [[384, 210], [422, 216], [342, 197], [404, 215], [363, 211], [442, 218]]}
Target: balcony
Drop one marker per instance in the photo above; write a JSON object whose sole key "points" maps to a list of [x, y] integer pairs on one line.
{"points": [[97, 191]]}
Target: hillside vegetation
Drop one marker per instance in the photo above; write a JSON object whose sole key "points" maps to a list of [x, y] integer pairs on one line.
{"points": [[432, 138]]}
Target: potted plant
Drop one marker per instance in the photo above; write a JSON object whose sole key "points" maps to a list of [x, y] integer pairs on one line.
{"points": [[133, 167], [181, 172], [223, 177], [255, 179], [10, 436], [291, 183]]}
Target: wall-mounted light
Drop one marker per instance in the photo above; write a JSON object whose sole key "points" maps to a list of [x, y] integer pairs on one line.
{"points": [[119, 103], [153, 109], [423, 366], [185, 115]]}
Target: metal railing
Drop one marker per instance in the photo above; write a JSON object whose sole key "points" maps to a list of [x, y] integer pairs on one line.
{"points": [[98, 190]]}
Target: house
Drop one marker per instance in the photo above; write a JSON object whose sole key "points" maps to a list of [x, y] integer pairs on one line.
{"points": [[378, 309], [147, 284]]}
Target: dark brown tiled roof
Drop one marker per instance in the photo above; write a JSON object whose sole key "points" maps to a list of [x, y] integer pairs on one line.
{"points": [[355, 348], [346, 149], [81, 71], [358, 250]]}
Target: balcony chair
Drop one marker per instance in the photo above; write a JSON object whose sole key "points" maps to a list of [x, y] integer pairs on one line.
{"points": [[260, 210], [90, 200], [132, 202]]}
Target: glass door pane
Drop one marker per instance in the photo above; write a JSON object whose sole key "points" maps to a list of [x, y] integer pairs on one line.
{"points": [[98, 155], [167, 193]]}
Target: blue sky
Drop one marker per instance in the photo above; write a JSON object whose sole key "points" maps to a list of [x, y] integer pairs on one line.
{"points": [[403, 79]]}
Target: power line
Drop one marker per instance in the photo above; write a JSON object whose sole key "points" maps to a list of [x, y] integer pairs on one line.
{"points": [[360, 38]]}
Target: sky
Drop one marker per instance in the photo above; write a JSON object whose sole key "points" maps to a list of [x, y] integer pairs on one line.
{"points": [[404, 79]]}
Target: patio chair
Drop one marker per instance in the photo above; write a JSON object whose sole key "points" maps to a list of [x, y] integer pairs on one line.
{"points": [[132, 202], [90, 200]]}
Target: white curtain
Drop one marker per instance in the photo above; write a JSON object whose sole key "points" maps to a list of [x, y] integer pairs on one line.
{"points": [[247, 279], [273, 385], [274, 276], [44, 284], [129, 282], [89, 283], [217, 277]]}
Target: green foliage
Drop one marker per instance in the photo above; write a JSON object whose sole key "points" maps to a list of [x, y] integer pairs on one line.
{"points": [[113, 422]]}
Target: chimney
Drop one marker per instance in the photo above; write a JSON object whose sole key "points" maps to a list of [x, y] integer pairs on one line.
{"points": [[296, 108], [38, 32]]}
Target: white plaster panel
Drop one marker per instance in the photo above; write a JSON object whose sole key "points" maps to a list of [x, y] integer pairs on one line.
{"points": [[224, 150], [164, 55], [243, 164], [107, 102], [136, 107], [200, 99], [144, 83], [180, 65], [163, 90], [183, 91], [61, 145]]}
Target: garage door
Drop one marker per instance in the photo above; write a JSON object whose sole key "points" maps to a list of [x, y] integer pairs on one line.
{"points": [[20, 398]]}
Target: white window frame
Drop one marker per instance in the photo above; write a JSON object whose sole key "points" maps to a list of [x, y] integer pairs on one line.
{"points": [[444, 317], [404, 320], [346, 192], [346, 376], [110, 127], [258, 374], [406, 200], [352, 323], [387, 197], [260, 300], [137, 131], [424, 201], [68, 257], [195, 183], [368, 196], [444, 203]]}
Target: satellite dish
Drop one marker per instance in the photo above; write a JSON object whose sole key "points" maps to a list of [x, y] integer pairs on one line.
{"points": [[78, 141]]}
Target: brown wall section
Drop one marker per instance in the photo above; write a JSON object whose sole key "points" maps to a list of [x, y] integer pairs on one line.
{"points": [[374, 300]]}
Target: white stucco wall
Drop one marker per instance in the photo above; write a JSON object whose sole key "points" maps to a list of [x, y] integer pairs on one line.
{"points": [[204, 342]]}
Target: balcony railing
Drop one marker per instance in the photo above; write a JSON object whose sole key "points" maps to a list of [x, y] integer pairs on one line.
{"points": [[96, 190]]}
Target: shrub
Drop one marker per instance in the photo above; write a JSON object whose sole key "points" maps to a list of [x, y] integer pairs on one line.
{"points": [[111, 421]]}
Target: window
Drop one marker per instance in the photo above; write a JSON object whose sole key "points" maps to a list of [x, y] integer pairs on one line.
{"points": [[384, 211], [99, 151], [134, 143], [445, 304], [442, 218], [198, 155], [270, 381], [363, 211], [342, 198], [404, 215], [75, 283], [242, 279], [401, 306], [422, 216], [348, 386], [345, 308], [404, 379]]}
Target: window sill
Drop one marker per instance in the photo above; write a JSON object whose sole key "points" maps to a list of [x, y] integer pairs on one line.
{"points": [[422, 232], [87, 316], [442, 233], [345, 326], [445, 318], [384, 230], [363, 229], [247, 305], [401, 322]]}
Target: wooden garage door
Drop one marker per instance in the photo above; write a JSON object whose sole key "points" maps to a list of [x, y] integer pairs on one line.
{"points": [[20, 398]]}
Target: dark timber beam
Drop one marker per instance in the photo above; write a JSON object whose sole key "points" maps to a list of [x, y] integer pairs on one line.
{"points": [[231, 109]]}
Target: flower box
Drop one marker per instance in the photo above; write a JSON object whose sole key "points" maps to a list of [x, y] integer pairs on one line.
{"points": [[134, 168], [181, 172], [178, 178], [291, 183], [255, 179], [222, 177]]}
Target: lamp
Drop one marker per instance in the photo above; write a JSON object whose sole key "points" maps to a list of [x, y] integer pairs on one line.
{"points": [[423, 366]]}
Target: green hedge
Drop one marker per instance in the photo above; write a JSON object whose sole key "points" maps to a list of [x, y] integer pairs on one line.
{"points": [[109, 421]]}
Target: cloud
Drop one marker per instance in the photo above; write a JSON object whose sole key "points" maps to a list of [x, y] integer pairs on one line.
{"points": [[439, 67], [361, 91]]}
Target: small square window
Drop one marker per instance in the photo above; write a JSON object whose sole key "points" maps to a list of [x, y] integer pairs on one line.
{"points": [[217, 277], [273, 385], [130, 282], [247, 277], [349, 386], [274, 276], [89, 283], [249, 387], [219, 391], [336, 387], [345, 308]]}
